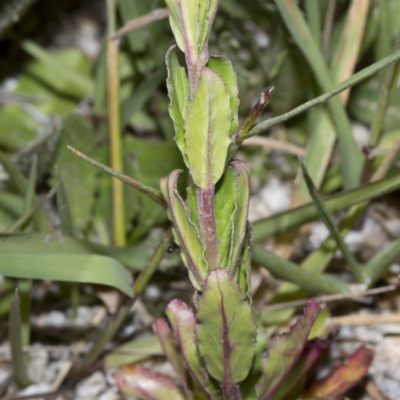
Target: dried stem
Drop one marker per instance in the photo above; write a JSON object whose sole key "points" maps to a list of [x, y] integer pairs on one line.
{"points": [[116, 159]]}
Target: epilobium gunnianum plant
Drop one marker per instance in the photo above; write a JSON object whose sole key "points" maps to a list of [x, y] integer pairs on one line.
{"points": [[214, 350]]}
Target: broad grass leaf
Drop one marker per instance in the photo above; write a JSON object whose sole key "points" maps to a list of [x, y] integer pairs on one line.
{"points": [[67, 268]]}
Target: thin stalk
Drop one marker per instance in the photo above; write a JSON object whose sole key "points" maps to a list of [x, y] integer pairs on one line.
{"points": [[149, 191], [354, 80], [151, 266], [116, 155]]}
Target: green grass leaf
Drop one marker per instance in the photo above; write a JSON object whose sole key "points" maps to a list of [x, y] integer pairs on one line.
{"points": [[332, 227], [290, 272], [68, 268], [15, 338], [284, 221], [75, 78]]}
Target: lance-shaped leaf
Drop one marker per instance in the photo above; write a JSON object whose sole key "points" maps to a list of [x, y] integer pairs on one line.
{"points": [[231, 210], [224, 68], [285, 352], [165, 336], [185, 232], [178, 92], [144, 383], [344, 376], [183, 322], [226, 331], [208, 123]]}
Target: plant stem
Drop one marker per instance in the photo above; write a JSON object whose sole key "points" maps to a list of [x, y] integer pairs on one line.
{"points": [[116, 158], [208, 230], [354, 80]]}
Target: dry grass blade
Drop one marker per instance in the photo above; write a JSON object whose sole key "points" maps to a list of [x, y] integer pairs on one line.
{"points": [[330, 298], [156, 15], [274, 144], [371, 319]]}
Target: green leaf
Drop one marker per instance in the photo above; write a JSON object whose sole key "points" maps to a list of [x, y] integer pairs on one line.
{"points": [[191, 23], [288, 271], [73, 77], [231, 209], [68, 268], [285, 351], [144, 383], [16, 345], [377, 266], [175, 21], [207, 128], [133, 351], [296, 217], [178, 92], [183, 323], [185, 232], [226, 331], [133, 257], [224, 68], [351, 155], [207, 11], [243, 270], [80, 179], [333, 229], [354, 80]]}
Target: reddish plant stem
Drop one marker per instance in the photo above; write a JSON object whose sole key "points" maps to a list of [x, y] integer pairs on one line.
{"points": [[208, 230]]}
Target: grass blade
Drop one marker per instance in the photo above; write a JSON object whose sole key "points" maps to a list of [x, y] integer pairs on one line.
{"points": [[133, 257], [78, 80], [376, 267], [354, 80], [141, 187], [15, 338], [21, 184], [68, 268], [333, 229], [153, 263], [284, 221], [288, 271], [27, 217], [350, 154]]}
